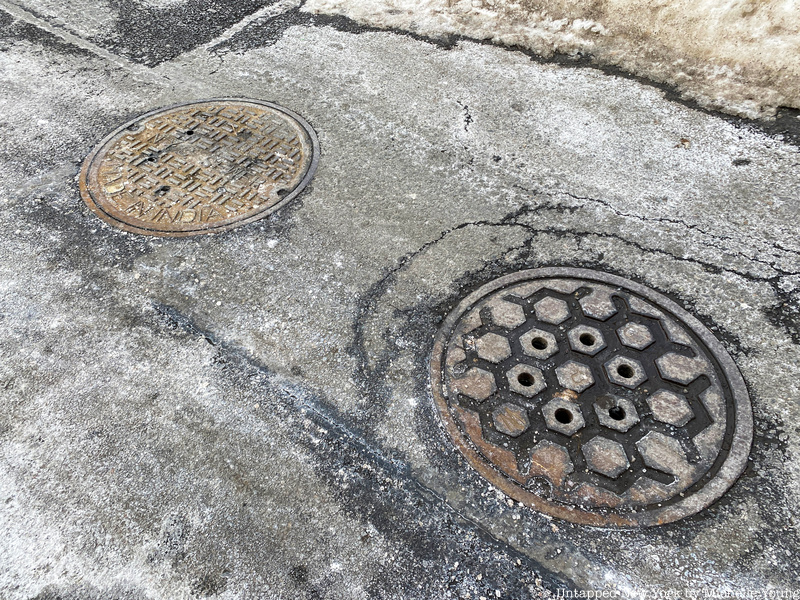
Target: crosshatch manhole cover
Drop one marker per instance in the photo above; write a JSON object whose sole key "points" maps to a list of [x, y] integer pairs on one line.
{"points": [[591, 398], [199, 168]]}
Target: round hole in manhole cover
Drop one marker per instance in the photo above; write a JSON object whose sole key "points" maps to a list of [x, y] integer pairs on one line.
{"points": [[591, 398], [201, 167]]}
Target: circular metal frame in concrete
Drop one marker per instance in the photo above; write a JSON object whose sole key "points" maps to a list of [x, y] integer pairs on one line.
{"points": [[591, 398], [200, 167]]}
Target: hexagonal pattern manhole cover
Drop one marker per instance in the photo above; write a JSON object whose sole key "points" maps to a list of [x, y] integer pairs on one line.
{"points": [[601, 402], [199, 168]]}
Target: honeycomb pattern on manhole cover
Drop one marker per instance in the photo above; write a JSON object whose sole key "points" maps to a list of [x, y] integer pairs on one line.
{"points": [[591, 398], [199, 168]]}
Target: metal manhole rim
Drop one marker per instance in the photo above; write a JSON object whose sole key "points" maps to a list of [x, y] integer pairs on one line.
{"points": [[733, 464], [100, 146]]}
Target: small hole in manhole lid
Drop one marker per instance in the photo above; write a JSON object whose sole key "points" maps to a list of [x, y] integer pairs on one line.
{"points": [[152, 159], [625, 371], [587, 339], [525, 379], [190, 132], [133, 127], [617, 413], [282, 192], [563, 415], [539, 343], [162, 190]]}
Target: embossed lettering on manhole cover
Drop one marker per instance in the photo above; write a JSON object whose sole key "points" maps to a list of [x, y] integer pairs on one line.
{"points": [[591, 398], [199, 168]]}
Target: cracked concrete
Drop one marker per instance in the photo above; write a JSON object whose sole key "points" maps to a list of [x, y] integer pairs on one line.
{"points": [[248, 415]]}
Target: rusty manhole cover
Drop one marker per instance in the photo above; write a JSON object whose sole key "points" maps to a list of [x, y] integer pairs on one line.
{"points": [[591, 398], [199, 168]]}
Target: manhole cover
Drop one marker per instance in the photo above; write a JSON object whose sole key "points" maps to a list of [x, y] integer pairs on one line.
{"points": [[591, 398], [199, 168]]}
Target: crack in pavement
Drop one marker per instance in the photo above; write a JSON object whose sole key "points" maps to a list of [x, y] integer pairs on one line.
{"points": [[607, 204]]}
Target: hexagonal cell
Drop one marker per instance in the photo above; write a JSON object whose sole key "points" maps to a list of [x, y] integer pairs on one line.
{"points": [[606, 457], [492, 347], [526, 380], [476, 383], [625, 371], [680, 369], [552, 461], [563, 416], [585, 339], [616, 413], [456, 356], [635, 335], [670, 408], [506, 314], [575, 376], [598, 305], [663, 453], [551, 310], [538, 343], [510, 419]]}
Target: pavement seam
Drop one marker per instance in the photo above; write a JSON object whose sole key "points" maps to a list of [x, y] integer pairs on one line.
{"points": [[327, 421], [267, 12], [40, 22]]}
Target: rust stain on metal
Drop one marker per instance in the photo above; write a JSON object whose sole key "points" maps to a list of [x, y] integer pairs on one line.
{"points": [[591, 398], [199, 168], [499, 457]]}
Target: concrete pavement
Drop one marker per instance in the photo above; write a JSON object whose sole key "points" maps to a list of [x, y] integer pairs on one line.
{"points": [[248, 415]]}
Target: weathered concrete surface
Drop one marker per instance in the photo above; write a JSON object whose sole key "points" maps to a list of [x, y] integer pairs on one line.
{"points": [[247, 415], [738, 56]]}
